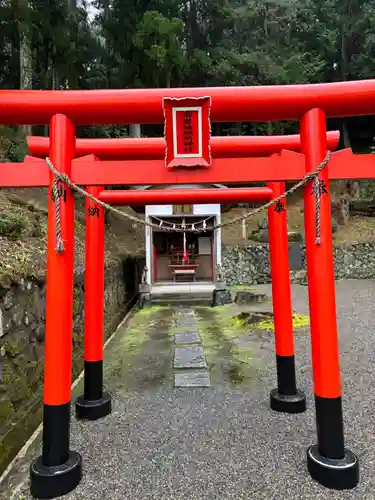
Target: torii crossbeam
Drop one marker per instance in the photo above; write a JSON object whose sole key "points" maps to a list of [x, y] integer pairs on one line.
{"points": [[153, 148], [284, 167]]}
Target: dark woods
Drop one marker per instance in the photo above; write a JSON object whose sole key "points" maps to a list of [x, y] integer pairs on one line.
{"points": [[69, 44]]}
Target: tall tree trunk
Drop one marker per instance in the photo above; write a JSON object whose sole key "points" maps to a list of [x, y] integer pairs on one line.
{"points": [[265, 24], [55, 70], [351, 187], [135, 130], [73, 27], [108, 49], [26, 54], [192, 29], [46, 76], [168, 77]]}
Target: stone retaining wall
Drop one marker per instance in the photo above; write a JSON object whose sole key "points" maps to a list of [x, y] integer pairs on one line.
{"points": [[22, 332], [250, 265]]}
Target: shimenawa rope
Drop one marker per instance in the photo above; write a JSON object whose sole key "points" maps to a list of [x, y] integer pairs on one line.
{"points": [[64, 178]]}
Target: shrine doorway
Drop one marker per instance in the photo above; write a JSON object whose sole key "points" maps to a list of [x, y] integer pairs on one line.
{"points": [[165, 250], [174, 261]]}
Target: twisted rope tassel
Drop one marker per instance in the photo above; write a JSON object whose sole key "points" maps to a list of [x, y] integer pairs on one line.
{"points": [[317, 210], [60, 248]]}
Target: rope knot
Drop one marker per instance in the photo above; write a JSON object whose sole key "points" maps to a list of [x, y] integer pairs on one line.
{"points": [[64, 178]]}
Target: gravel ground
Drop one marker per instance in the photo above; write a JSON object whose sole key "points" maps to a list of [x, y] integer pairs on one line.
{"points": [[225, 443]]}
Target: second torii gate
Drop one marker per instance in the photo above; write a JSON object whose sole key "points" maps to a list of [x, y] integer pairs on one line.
{"points": [[95, 403]]}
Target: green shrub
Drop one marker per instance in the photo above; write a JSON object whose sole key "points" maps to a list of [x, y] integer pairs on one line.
{"points": [[12, 225]]}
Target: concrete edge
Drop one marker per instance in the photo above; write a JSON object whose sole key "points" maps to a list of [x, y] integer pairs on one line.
{"points": [[24, 450]]}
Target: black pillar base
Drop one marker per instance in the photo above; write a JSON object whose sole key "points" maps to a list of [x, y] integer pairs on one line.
{"points": [[93, 409], [336, 474], [48, 482], [288, 403]]}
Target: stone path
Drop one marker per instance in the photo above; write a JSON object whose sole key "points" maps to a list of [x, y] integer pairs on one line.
{"points": [[189, 360], [221, 443]]}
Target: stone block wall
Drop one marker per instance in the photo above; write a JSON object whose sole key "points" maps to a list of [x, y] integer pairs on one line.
{"points": [[22, 332], [250, 265]]}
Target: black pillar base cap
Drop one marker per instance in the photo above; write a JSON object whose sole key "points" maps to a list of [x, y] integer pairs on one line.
{"points": [[93, 409], [48, 482], [288, 403], [336, 474]]}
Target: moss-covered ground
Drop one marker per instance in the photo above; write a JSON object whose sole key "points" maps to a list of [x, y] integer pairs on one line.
{"points": [[233, 347], [143, 350]]}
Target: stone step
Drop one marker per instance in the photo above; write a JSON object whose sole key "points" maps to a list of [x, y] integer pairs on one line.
{"points": [[187, 337], [198, 378], [190, 302], [180, 312], [185, 323], [185, 299], [189, 357]]}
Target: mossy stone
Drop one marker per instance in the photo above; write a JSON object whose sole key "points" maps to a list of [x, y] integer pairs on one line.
{"points": [[6, 408]]}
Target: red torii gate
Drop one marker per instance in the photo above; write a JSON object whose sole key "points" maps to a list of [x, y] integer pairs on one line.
{"points": [[58, 470]]}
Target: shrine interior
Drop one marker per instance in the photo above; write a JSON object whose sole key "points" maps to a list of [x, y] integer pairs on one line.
{"points": [[169, 263]]}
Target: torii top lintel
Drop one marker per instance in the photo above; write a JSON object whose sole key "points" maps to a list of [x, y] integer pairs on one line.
{"points": [[229, 104]]}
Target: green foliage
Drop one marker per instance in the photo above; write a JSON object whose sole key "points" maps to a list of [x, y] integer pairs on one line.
{"points": [[168, 43], [12, 144], [17, 151], [367, 188], [160, 38], [12, 225]]}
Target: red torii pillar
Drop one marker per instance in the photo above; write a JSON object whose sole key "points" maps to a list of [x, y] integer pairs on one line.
{"points": [[94, 403], [328, 461], [59, 470], [286, 397]]}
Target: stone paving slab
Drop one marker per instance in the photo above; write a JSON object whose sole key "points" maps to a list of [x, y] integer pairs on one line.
{"points": [[189, 357], [186, 325], [185, 312], [187, 337], [192, 379], [189, 318]]}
